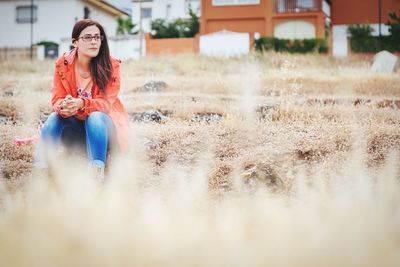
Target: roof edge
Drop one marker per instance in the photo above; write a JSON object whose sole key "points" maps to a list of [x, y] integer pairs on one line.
{"points": [[104, 5]]}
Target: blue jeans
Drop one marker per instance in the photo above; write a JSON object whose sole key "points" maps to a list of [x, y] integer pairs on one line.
{"points": [[96, 131]]}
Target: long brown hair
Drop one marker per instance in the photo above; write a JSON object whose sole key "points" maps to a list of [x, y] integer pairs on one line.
{"points": [[100, 66]]}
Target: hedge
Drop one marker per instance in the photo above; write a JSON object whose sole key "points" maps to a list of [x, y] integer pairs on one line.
{"points": [[178, 28], [361, 39], [292, 46]]}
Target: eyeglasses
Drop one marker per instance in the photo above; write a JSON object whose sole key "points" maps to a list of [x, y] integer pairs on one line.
{"points": [[88, 38]]}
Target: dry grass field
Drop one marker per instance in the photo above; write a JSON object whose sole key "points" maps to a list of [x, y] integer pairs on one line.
{"points": [[273, 160]]}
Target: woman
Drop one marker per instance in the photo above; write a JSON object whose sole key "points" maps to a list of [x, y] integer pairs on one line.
{"points": [[85, 98]]}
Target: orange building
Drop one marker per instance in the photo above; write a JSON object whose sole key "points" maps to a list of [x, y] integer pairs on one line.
{"points": [[293, 19], [277, 18], [362, 11], [346, 12]]}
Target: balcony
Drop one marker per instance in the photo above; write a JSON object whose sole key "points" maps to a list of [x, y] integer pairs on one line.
{"points": [[297, 6]]}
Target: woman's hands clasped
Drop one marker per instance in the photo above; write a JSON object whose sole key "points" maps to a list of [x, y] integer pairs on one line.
{"points": [[70, 106]]}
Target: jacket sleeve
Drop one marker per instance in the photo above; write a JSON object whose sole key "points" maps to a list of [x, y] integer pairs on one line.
{"points": [[58, 91], [103, 101]]}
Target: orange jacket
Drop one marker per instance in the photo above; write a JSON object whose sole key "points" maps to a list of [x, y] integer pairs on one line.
{"points": [[64, 83]]}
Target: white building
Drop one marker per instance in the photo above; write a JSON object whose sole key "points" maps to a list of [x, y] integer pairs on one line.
{"points": [[53, 20], [148, 10]]}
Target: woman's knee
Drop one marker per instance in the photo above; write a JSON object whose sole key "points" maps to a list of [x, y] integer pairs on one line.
{"points": [[52, 121], [96, 119], [53, 117]]}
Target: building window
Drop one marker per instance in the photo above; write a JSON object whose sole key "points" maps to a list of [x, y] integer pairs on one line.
{"points": [[283, 6], [24, 14], [234, 2], [306, 4], [146, 12], [86, 12]]}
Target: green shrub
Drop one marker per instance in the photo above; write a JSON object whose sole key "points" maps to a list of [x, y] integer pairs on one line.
{"points": [[361, 39], [162, 29], [360, 31], [178, 28], [193, 24], [323, 46], [125, 26], [292, 46]]}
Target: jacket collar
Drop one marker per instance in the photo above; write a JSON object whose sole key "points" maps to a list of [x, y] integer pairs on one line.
{"points": [[65, 62], [65, 68], [69, 57]]}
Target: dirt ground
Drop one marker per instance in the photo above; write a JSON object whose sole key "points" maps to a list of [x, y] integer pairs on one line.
{"points": [[261, 116]]}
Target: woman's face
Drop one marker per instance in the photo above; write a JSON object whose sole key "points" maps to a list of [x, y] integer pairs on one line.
{"points": [[89, 41]]}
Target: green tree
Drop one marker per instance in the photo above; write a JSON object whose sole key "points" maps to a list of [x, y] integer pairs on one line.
{"points": [[162, 29], [193, 24], [361, 39], [178, 28], [125, 26], [360, 30]]}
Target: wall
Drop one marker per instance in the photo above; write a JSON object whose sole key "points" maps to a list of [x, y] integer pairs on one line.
{"points": [[48, 27], [248, 18], [127, 47], [238, 25], [225, 44], [340, 45], [361, 11], [171, 45]]}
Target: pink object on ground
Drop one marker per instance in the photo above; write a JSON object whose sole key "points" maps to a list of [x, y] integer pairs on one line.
{"points": [[25, 141], [32, 139]]}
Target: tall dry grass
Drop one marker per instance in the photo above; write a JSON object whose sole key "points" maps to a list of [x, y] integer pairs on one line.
{"points": [[347, 218], [274, 160]]}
